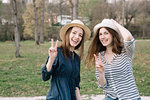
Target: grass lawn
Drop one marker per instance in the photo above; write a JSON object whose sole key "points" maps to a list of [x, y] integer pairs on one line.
{"points": [[22, 76]]}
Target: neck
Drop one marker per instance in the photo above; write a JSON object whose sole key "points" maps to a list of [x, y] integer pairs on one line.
{"points": [[71, 49], [109, 50]]}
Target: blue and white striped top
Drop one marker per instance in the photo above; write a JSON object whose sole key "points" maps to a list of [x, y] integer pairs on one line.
{"points": [[120, 82]]}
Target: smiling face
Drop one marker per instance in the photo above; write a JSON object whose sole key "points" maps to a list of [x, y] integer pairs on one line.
{"points": [[105, 37], [76, 36]]}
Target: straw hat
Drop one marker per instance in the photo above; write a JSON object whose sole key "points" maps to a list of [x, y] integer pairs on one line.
{"points": [[75, 23], [107, 23]]}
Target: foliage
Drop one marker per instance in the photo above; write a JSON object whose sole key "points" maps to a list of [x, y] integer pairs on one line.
{"points": [[7, 25], [29, 22], [90, 12], [53, 32], [86, 11], [6, 31], [22, 76]]}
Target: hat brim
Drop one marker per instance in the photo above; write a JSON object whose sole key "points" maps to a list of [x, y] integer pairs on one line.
{"points": [[63, 30]]}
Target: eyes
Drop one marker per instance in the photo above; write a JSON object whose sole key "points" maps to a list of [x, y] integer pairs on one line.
{"points": [[105, 33], [80, 34]]}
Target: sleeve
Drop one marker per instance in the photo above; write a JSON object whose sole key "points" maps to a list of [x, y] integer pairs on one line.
{"points": [[45, 74], [77, 79], [97, 77], [130, 47]]}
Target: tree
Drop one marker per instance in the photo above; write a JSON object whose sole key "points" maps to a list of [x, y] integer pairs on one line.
{"points": [[123, 11], [86, 7], [29, 21], [74, 8], [36, 23], [99, 12], [29, 24], [42, 22], [131, 11], [17, 35], [71, 8]]}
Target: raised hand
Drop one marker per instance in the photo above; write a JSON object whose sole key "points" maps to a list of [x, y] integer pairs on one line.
{"points": [[53, 50], [127, 36], [99, 64]]}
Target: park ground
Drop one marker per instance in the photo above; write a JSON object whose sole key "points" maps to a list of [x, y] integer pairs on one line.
{"points": [[83, 97], [20, 78]]}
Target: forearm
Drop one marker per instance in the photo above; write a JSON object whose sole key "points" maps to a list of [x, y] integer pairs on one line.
{"points": [[78, 94], [102, 80], [49, 64]]}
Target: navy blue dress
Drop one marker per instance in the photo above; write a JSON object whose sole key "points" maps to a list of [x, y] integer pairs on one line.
{"points": [[65, 77]]}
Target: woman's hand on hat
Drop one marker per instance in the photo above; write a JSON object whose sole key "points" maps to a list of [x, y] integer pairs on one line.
{"points": [[99, 64], [116, 23], [127, 36], [119, 26], [53, 50]]}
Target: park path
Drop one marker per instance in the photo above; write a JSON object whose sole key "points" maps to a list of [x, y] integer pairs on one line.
{"points": [[83, 97]]}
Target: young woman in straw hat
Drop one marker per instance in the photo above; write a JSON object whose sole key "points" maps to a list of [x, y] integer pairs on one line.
{"points": [[63, 64], [112, 50]]}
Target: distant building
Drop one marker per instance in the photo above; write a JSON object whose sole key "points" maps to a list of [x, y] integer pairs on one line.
{"points": [[64, 19], [111, 1], [5, 1], [58, 1]]}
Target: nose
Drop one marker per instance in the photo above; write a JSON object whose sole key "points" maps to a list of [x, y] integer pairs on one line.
{"points": [[102, 36], [76, 36]]}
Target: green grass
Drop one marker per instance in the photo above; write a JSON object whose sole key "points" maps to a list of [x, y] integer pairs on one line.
{"points": [[141, 67], [22, 76]]}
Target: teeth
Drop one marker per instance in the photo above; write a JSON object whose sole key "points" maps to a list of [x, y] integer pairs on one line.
{"points": [[74, 40]]}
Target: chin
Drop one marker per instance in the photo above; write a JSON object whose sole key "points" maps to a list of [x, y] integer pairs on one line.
{"points": [[74, 45], [104, 44]]}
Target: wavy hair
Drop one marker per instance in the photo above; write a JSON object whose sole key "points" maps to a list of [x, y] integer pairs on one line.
{"points": [[96, 46]]}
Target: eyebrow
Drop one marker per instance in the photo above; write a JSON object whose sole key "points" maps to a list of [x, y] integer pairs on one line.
{"points": [[76, 32], [104, 32]]}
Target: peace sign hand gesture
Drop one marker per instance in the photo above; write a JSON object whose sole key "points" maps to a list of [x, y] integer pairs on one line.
{"points": [[53, 50], [99, 64]]}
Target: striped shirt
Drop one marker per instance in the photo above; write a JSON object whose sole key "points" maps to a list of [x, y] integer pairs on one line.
{"points": [[120, 82]]}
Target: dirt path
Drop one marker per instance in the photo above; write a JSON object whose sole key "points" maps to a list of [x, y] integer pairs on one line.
{"points": [[83, 97]]}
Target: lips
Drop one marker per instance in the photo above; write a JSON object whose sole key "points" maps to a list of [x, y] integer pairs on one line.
{"points": [[74, 41], [104, 41]]}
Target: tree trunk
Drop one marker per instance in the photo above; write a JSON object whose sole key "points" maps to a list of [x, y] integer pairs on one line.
{"points": [[123, 11], [36, 23], [24, 3], [60, 9], [75, 9], [42, 22], [71, 9], [5, 31], [17, 36]]}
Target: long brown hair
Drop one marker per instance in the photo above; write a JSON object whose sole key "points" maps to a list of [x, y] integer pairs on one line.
{"points": [[66, 44], [96, 46]]}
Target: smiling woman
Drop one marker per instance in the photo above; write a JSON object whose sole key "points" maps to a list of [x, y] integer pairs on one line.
{"points": [[113, 47], [63, 64]]}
